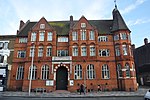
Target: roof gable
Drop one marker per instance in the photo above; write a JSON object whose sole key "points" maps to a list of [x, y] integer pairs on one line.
{"points": [[42, 24], [83, 20]]}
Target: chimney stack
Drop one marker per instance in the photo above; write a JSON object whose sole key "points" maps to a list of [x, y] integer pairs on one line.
{"points": [[21, 24], [71, 21], [145, 41]]}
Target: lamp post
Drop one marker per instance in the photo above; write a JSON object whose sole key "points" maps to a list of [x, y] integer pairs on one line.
{"points": [[31, 69]]}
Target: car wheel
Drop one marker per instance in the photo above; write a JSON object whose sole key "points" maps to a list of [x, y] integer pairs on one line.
{"points": [[146, 99]]}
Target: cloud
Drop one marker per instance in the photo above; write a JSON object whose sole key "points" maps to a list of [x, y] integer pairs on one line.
{"points": [[132, 6], [138, 22]]}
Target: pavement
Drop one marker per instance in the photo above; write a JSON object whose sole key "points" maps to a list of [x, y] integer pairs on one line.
{"points": [[141, 92]]}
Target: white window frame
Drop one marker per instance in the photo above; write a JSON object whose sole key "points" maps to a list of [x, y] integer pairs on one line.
{"points": [[49, 51], [92, 51], [107, 52], [124, 49], [23, 40], [119, 70], [42, 26], [116, 37], [59, 52], [21, 54], [74, 36], [90, 72], [127, 66], [102, 38], [83, 34], [5, 45], [40, 51], [105, 72], [62, 39], [45, 72], [34, 72], [83, 25], [33, 36], [75, 51], [20, 73], [91, 35], [123, 36], [41, 36], [78, 72], [49, 36], [32, 51], [117, 50], [83, 51]]}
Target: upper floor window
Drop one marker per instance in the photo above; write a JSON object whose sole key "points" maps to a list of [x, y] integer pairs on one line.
{"points": [[104, 52], [1, 45], [83, 51], [50, 36], [32, 51], [92, 51], [78, 72], [124, 48], [74, 35], [6, 45], [20, 73], [119, 70], [41, 37], [91, 35], [105, 72], [102, 38], [1, 59], [22, 40], [49, 51], [83, 25], [116, 37], [129, 37], [45, 72], [83, 34], [123, 36], [117, 50], [21, 54], [42, 26], [75, 51], [40, 51], [62, 39], [90, 72], [127, 70], [62, 52], [33, 36]]}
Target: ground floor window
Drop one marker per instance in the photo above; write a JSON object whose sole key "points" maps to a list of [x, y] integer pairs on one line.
{"points": [[20, 73], [90, 72], [34, 73], [78, 72]]}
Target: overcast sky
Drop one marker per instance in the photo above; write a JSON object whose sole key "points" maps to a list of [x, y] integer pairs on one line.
{"points": [[135, 13]]}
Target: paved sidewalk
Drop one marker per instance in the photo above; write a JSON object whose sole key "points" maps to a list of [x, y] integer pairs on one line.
{"points": [[140, 92]]}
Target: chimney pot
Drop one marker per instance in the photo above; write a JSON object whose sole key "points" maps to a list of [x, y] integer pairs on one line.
{"points": [[145, 41]]}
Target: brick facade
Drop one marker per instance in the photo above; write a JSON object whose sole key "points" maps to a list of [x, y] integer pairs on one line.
{"points": [[96, 57]]}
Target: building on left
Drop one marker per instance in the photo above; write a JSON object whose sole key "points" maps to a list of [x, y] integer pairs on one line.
{"points": [[6, 55]]}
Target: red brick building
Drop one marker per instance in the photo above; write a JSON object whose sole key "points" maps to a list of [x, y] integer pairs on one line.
{"points": [[69, 53]]}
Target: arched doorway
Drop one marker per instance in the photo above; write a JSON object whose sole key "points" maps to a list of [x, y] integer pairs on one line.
{"points": [[61, 78]]}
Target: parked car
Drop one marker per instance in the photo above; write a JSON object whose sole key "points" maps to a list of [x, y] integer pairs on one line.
{"points": [[147, 95]]}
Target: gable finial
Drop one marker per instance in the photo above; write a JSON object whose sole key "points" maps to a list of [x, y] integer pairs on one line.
{"points": [[115, 4]]}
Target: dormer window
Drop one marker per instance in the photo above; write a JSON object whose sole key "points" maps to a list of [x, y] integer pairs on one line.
{"points": [[83, 25], [42, 26]]}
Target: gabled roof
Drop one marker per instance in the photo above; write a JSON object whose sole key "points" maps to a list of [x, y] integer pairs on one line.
{"points": [[25, 30], [118, 22]]}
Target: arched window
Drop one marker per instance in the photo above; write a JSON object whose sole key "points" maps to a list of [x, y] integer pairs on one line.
{"points": [[127, 70], [105, 72], [20, 73], [78, 72], [45, 72], [119, 70], [90, 71], [124, 48], [34, 73]]}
